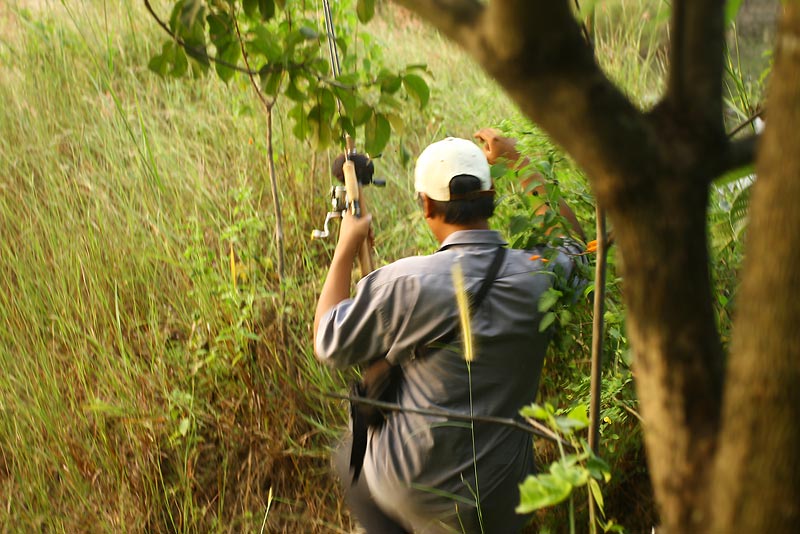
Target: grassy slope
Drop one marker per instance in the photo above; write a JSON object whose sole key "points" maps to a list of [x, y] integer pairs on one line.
{"points": [[133, 395], [139, 391]]}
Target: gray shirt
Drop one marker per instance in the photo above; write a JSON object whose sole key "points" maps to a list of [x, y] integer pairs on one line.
{"points": [[423, 468]]}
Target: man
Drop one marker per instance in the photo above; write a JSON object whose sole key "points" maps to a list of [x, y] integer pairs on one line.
{"points": [[426, 474]]}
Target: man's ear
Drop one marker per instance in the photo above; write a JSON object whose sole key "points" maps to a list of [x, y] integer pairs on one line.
{"points": [[427, 206]]}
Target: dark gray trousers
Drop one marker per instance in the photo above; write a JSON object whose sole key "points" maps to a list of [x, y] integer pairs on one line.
{"points": [[358, 497]]}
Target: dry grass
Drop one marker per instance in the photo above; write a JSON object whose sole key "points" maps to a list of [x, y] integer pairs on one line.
{"points": [[140, 391]]}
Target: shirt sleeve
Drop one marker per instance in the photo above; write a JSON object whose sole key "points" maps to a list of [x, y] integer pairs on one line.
{"points": [[572, 263], [364, 327]]}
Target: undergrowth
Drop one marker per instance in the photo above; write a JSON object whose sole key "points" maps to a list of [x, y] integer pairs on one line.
{"points": [[157, 375]]}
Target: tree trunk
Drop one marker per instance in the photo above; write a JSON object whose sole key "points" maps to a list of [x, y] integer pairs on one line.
{"points": [[652, 171], [677, 356], [757, 473]]}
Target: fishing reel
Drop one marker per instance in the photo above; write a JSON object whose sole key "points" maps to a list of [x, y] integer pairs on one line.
{"points": [[340, 201]]}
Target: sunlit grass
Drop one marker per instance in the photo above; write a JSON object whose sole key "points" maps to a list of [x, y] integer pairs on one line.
{"points": [[157, 377]]}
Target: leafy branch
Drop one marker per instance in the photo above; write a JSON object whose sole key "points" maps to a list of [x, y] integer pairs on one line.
{"points": [[287, 42]]}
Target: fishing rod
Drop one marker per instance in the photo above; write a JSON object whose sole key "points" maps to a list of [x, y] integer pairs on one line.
{"points": [[353, 169]]}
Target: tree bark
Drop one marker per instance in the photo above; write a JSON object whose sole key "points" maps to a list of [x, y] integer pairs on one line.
{"points": [[652, 173], [757, 472]]}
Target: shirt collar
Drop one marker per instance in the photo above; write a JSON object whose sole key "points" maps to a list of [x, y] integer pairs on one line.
{"points": [[473, 237]]}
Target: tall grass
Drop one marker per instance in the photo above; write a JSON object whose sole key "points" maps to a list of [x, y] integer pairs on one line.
{"points": [[147, 386], [149, 383]]}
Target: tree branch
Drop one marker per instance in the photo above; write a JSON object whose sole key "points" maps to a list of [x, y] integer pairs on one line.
{"points": [[265, 69], [193, 50], [457, 19], [536, 51], [758, 114], [695, 78], [533, 427]]}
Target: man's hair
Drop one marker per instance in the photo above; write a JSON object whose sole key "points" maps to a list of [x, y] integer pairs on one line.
{"points": [[468, 203]]}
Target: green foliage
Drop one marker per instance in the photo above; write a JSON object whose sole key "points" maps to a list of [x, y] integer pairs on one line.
{"points": [[732, 10], [121, 196], [570, 471], [286, 47], [567, 308]]}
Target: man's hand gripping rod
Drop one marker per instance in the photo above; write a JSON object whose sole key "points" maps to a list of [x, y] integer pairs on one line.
{"points": [[355, 170]]}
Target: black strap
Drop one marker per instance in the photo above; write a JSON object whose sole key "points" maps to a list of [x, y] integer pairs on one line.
{"points": [[491, 275], [381, 379], [475, 300]]}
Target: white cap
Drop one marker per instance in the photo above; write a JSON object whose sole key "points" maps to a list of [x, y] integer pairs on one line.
{"points": [[442, 161]]}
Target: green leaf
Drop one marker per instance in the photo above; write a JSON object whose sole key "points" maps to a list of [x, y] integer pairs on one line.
{"points": [[519, 224], [219, 28], [398, 125], [322, 134], [731, 10], [594, 488], [574, 475], [183, 427], [266, 44], [738, 213], [598, 468], [250, 7], [498, 170], [546, 321], [365, 9], [405, 155], [390, 83], [160, 62], [574, 420], [302, 128], [578, 413], [293, 92], [271, 81], [192, 12], [534, 411], [347, 125], [362, 114], [418, 88], [320, 118], [347, 99], [267, 9], [548, 299], [541, 491], [387, 100], [180, 63], [377, 131], [327, 100], [229, 54], [567, 425]]}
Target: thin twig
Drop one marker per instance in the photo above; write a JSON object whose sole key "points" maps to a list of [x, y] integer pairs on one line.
{"points": [[758, 113], [203, 54], [598, 328], [268, 105], [532, 427], [250, 73], [193, 50], [628, 409]]}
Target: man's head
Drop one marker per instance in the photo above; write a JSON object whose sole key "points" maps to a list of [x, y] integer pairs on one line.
{"points": [[453, 175]]}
